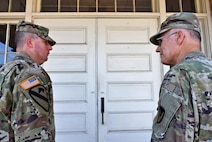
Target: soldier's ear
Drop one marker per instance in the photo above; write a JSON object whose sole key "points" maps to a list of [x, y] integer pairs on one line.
{"points": [[180, 37], [28, 42]]}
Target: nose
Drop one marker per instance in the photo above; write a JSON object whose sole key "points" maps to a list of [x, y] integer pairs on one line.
{"points": [[50, 47], [158, 49]]}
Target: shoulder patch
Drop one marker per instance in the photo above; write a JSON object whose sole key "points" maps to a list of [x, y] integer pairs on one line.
{"points": [[29, 82], [161, 113]]}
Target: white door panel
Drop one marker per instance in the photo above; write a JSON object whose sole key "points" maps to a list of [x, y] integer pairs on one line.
{"points": [[116, 63], [71, 66], [129, 76]]}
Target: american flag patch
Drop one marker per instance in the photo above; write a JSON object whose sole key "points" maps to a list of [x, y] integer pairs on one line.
{"points": [[29, 82]]}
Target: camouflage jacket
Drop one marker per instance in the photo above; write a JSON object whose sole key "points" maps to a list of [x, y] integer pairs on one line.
{"points": [[185, 102], [26, 102]]}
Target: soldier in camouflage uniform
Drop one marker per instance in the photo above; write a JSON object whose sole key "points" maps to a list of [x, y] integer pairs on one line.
{"points": [[26, 99], [185, 99]]}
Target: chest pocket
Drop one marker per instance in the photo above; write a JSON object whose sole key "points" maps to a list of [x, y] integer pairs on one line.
{"points": [[168, 106]]}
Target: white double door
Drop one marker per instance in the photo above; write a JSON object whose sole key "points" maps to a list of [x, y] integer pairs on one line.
{"points": [[106, 78]]}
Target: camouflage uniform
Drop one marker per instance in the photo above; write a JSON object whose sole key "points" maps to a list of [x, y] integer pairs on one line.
{"points": [[185, 104], [26, 101], [185, 100]]}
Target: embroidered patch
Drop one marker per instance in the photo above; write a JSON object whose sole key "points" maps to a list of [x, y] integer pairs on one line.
{"points": [[29, 82], [39, 95], [161, 113]]}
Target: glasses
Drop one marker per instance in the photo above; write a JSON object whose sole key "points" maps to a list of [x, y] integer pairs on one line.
{"points": [[160, 39]]}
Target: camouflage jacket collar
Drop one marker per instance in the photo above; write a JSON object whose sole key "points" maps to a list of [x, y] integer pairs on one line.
{"points": [[23, 56], [192, 55]]}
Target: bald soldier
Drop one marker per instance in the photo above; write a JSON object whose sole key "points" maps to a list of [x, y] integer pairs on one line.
{"points": [[185, 98], [26, 98]]}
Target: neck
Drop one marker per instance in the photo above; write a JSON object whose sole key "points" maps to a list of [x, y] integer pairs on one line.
{"points": [[192, 47]]}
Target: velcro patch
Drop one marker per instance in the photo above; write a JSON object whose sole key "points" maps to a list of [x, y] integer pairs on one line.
{"points": [[161, 113], [39, 95], [29, 82]]}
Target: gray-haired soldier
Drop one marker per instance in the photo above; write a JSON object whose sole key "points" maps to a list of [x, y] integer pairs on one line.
{"points": [[185, 103], [26, 98]]}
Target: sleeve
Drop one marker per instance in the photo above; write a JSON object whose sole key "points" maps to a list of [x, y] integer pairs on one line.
{"points": [[6, 85], [174, 118], [32, 100]]}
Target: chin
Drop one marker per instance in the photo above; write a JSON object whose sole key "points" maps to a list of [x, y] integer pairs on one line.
{"points": [[165, 63]]}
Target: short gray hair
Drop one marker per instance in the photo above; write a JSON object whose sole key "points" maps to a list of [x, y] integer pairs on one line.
{"points": [[20, 38]]}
